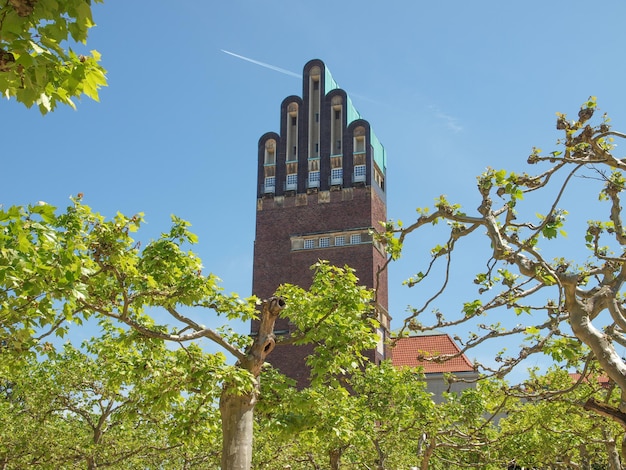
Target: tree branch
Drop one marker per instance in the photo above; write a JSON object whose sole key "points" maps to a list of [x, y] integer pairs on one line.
{"points": [[606, 410]]}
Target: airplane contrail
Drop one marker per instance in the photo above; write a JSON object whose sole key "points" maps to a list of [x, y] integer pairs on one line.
{"points": [[263, 64], [286, 72]]}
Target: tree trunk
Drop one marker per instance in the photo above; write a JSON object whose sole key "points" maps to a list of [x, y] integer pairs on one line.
{"points": [[236, 408], [237, 424], [335, 458], [585, 463], [612, 453], [428, 452], [380, 461], [91, 463]]}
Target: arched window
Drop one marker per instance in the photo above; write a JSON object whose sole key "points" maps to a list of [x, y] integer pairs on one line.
{"points": [[358, 155], [292, 132], [270, 152], [336, 114], [269, 161], [314, 111], [359, 140]]}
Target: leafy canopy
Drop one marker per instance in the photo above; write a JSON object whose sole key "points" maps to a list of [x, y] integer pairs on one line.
{"points": [[37, 64]]}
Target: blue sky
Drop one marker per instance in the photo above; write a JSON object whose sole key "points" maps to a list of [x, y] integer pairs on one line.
{"points": [[450, 87]]}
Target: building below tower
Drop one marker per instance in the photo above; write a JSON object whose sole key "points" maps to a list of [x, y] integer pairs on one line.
{"points": [[424, 351]]}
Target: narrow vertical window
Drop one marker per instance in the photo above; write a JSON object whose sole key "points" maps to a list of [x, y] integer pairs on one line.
{"points": [[270, 152], [379, 178], [315, 105], [292, 132], [380, 346], [336, 126], [359, 144]]}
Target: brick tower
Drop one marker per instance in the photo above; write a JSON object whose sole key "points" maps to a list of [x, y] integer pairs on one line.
{"points": [[320, 192]]}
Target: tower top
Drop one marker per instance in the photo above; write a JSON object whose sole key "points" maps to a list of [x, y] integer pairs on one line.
{"points": [[323, 142], [352, 113]]}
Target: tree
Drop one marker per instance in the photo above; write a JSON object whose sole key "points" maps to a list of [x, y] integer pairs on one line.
{"points": [[59, 269], [383, 419], [36, 65], [346, 426], [395, 408], [121, 402], [567, 311], [547, 425]]}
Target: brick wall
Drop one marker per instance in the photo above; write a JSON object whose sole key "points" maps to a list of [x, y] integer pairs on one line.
{"points": [[275, 263]]}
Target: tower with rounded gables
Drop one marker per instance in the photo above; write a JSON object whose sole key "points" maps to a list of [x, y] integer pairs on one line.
{"points": [[320, 193]]}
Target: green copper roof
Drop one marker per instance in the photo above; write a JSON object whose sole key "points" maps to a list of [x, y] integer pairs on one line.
{"points": [[353, 114], [380, 157], [329, 83]]}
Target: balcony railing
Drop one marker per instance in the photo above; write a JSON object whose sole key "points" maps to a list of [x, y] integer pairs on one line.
{"points": [[360, 173], [336, 177]]}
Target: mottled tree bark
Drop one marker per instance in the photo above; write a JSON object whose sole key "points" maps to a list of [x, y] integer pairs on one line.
{"points": [[237, 408], [237, 421], [612, 452]]}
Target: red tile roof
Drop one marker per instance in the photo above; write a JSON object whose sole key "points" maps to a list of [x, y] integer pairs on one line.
{"points": [[408, 350], [603, 380]]}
